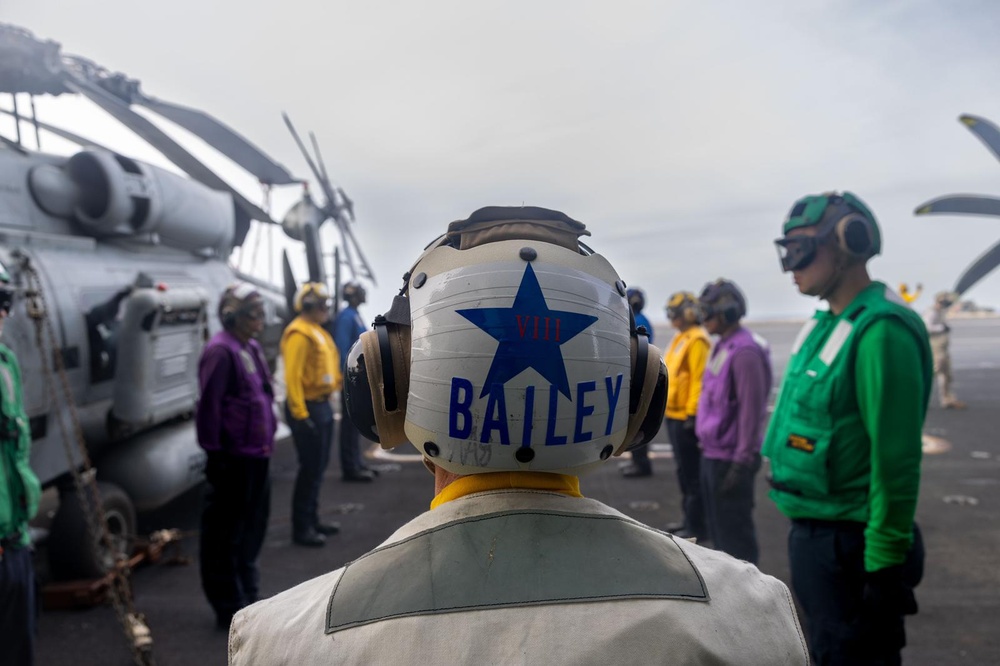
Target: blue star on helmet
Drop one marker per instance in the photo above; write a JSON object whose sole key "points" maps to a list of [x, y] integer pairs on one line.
{"points": [[530, 335]]}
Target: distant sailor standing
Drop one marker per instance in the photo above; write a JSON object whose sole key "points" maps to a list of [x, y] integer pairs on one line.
{"points": [[641, 464], [935, 319], [347, 328], [312, 374], [236, 425]]}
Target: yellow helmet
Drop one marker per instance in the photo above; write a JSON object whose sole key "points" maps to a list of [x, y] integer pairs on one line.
{"points": [[311, 296]]}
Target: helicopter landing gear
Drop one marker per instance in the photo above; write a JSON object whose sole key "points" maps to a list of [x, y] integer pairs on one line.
{"points": [[74, 551]]}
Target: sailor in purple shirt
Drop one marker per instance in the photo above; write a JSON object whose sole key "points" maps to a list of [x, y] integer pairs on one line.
{"points": [[236, 423], [732, 417]]}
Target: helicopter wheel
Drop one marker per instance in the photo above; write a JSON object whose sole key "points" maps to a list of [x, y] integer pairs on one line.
{"points": [[73, 552]]}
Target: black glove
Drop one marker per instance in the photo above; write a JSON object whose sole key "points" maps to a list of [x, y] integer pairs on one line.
{"points": [[886, 595], [886, 599], [733, 476], [690, 423]]}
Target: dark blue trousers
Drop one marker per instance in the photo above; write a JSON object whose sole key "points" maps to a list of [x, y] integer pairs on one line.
{"points": [[350, 445], [640, 458], [688, 458], [233, 525], [828, 578], [730, 513], [313, 448], [17, 607]]}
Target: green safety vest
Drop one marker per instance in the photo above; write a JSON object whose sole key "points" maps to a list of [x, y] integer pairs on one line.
{"points": [[19, 487], [817, 444]]}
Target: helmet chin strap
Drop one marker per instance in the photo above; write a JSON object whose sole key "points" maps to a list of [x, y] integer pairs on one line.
{"points": [[835, 278]]}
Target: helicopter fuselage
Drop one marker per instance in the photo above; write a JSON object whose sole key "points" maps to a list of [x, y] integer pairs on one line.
{"points": [[119, 266]]}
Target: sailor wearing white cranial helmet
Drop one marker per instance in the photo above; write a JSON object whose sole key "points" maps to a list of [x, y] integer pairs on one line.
{"points": [[510, 360]]}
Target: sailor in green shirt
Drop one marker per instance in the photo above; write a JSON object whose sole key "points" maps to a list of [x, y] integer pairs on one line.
{"points": [[845, 439], [19, 493]]}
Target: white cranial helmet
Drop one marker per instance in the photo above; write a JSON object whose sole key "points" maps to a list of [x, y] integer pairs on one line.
{"points": [[519, 353]]}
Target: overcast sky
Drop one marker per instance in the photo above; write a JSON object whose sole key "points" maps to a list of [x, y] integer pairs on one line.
{"points": [[680, 133]]}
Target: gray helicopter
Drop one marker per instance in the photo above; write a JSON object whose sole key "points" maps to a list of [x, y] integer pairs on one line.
{"points": [[118, 266]]}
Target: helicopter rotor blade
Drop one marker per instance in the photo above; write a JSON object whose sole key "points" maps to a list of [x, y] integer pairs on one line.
{"points": [[978, 269], [224, 139], [157, 138], [302, 149], [63, 134], [290, 286], [331, 200], [319, 157], [963, 204], [338, 200], [984, 130], [347, 204], [361, 255]]}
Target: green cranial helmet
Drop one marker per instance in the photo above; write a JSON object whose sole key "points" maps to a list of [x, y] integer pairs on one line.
{"points": [[829, 208]]}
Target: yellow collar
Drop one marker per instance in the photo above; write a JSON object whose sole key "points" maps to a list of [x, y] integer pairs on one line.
{"points": [[478, 483]]}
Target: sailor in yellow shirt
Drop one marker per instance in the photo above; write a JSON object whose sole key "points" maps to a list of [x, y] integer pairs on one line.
{"points": [[910, 296], [686, 358], [312, 373]]}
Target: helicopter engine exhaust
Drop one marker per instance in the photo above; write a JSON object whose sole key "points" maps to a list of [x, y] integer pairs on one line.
{"points": [[113, 195]]}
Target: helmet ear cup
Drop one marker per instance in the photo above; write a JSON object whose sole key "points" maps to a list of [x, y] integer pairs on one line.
{"points": [[647, 394], [378, 383], [731, 313], [855, 236], [309, 297], [690, 314], [685, 304]]}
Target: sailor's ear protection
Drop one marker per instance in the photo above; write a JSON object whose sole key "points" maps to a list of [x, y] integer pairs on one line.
{"points": [[854, 235], [722, 299], [648, 394], [232, 302], [852, 229], [310, 301], [730, 311], [684, 305], [311, 296]]}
